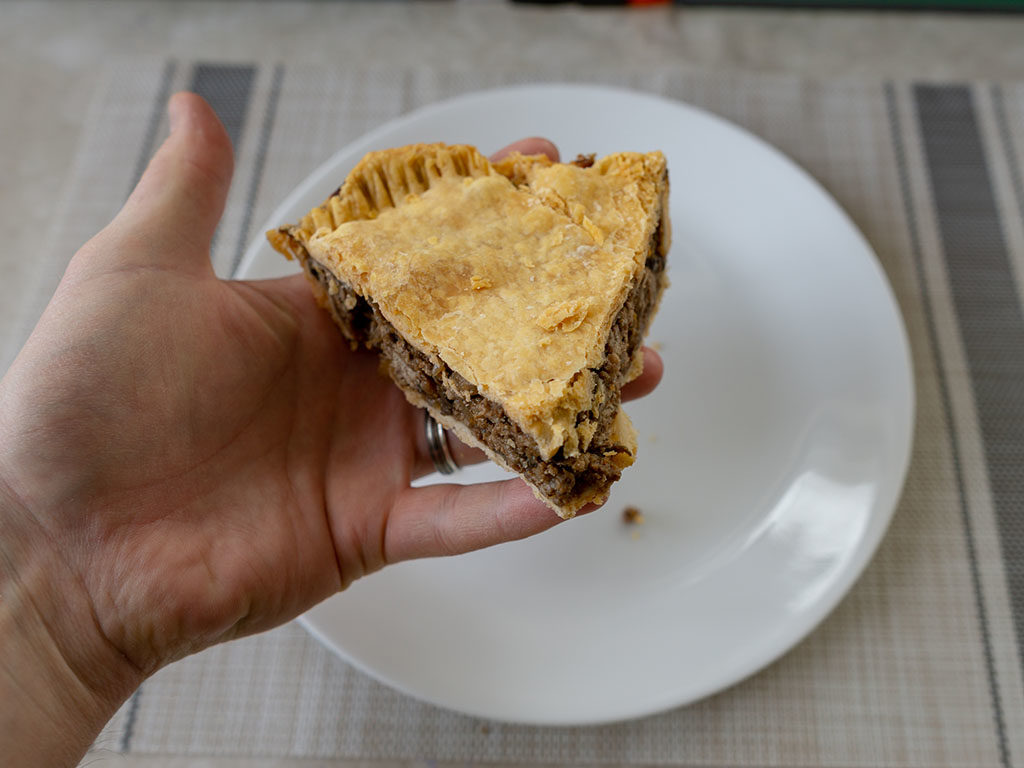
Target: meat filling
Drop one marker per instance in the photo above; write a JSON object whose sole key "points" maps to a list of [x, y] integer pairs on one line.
{"points": [[561, 477]]}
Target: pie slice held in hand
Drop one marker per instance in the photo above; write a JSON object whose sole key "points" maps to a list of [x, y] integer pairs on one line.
{"points": [[510, 299]]}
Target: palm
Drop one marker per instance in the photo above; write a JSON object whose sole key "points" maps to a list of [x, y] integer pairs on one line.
{"points": [[235, 412]]}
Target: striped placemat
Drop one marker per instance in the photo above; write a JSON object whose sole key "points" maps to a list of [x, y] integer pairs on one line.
{"points": [[919, 666]]}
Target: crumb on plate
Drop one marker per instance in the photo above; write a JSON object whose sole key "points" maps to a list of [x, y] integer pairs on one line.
{"points": [[632, 516]]}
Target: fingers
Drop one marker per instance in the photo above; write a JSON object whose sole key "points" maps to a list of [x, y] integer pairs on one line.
{"points": [[645, 383], [174, 209], [453, 519], [531, 146]]}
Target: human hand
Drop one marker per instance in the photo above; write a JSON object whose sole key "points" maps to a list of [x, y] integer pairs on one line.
{"points": [[184, 460]]}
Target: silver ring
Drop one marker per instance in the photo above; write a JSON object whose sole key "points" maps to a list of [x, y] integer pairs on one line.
{"points": [[437, 444]]}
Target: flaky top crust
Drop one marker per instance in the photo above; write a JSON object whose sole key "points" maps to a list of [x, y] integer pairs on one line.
{"points": [[511, 273]]}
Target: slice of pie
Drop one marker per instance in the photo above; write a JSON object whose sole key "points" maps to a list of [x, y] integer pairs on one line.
{"points": [[510, 299]]}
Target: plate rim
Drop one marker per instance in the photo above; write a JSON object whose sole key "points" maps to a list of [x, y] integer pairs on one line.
{"points": [[879, 520]]}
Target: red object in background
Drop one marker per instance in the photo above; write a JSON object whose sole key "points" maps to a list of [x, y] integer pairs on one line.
{"points": [[613, 2]]}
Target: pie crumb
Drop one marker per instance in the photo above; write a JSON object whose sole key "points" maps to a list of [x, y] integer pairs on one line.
{"points": [[632, 516]]}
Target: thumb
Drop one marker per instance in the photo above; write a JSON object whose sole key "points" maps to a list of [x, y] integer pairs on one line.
{"points": [[174, 209]]}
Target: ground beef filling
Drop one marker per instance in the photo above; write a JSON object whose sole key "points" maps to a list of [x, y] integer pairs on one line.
{"points": [[561, 478]]}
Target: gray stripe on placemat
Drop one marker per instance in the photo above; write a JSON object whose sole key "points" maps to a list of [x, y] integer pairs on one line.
{"points": [[933, 341], [153, 126], [129, 723], [987, 307], [269, 115], [228, 90]]}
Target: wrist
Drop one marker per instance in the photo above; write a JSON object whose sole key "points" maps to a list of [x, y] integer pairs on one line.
{"points": [[60, 678]]}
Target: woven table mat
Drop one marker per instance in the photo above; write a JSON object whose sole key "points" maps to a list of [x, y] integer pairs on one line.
{"points": [[919, 666]]}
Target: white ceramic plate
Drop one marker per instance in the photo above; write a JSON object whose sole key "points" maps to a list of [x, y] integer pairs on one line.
{"points": [[771, 457]]}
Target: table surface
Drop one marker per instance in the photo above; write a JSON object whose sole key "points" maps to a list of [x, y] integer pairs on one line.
{"points": [[53, 54]]}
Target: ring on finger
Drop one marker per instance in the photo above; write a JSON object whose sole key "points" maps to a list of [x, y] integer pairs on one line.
{"points": [[437, 445]]}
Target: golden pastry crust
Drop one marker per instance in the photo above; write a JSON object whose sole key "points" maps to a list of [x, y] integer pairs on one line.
{"points": [[511, 273], [456, 256]]}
